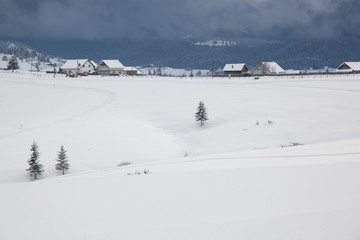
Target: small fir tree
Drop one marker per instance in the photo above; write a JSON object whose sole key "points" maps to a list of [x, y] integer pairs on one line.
{"points": [[35, 168], [201, 114], [63, 162]]}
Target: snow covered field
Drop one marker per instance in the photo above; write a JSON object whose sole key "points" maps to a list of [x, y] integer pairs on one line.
{"points": [[236, 182]]}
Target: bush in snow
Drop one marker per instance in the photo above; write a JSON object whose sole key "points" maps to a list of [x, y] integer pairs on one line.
{"points": [[35, 168], [124, 164], [13, 64], [201, 114], [63, 162]]}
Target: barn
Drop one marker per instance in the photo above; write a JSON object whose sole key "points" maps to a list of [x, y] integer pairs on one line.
{"points": [[110, 67], [267, 68], [235, 69], [349, 67], [132, 71]]}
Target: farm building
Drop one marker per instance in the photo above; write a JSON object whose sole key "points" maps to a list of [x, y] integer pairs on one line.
{"points": [[235, 69], [110, 67], [267, 68], [132, 71], [79, 66], [349, 67]]}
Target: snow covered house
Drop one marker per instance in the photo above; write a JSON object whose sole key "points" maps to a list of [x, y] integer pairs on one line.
{"points": [[110, 67], [4, 60], [79, 66], [235, 69], [349, 67], [267, 68]]}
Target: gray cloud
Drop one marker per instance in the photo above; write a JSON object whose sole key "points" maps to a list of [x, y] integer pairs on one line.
{"points": [[113, 19]]}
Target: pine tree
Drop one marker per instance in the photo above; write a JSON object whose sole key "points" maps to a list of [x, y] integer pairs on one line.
{"points": [[201, 114], [63, 162], [35, 167]]}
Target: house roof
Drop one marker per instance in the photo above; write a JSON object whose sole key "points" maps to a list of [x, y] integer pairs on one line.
{"points": [[353, 65], [234, 67], [113, 64], [93, 63], [73, 63], [273, 67]]}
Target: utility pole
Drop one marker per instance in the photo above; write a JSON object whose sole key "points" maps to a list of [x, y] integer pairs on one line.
{"points": [[306, 62]]}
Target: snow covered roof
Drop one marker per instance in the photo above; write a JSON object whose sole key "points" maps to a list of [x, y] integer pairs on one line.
{"points": [[352, 65], [93, 63], [74, 63], [273, 67], [113, 64], [234, 67]]}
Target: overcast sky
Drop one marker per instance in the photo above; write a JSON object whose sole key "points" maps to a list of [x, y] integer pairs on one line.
{"points": [[176, 19]]}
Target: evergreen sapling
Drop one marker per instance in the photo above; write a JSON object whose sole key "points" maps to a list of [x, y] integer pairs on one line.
{"points": [[63, 162], [35, 168], [201, 114]]}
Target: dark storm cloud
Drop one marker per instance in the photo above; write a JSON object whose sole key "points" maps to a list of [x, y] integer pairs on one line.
{"points": [[113, 19]]}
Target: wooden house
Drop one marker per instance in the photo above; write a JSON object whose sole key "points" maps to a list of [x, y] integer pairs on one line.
{"points": [[132, 71]]}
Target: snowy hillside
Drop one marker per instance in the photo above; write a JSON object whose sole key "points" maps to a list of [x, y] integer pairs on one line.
{"points": [[237, 177], [28, 58]]}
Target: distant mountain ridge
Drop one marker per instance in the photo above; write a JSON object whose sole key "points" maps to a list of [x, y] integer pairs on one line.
{"points": [[191, 54]]}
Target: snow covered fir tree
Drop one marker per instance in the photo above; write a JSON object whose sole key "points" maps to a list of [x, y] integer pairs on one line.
{"points": [[63, 162], [35, 167], [201, 114]]}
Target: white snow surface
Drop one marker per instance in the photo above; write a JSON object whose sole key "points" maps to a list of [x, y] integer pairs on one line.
{"points": [[236, 182]]}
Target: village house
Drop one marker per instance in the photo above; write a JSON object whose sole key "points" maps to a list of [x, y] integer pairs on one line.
{"points": [[110, 67], [235, 69], [267, 68], [79, 66], [349, 67]]}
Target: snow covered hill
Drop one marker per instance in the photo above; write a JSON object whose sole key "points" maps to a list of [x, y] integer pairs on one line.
{"points": [[238, 177], [28, 58]]}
